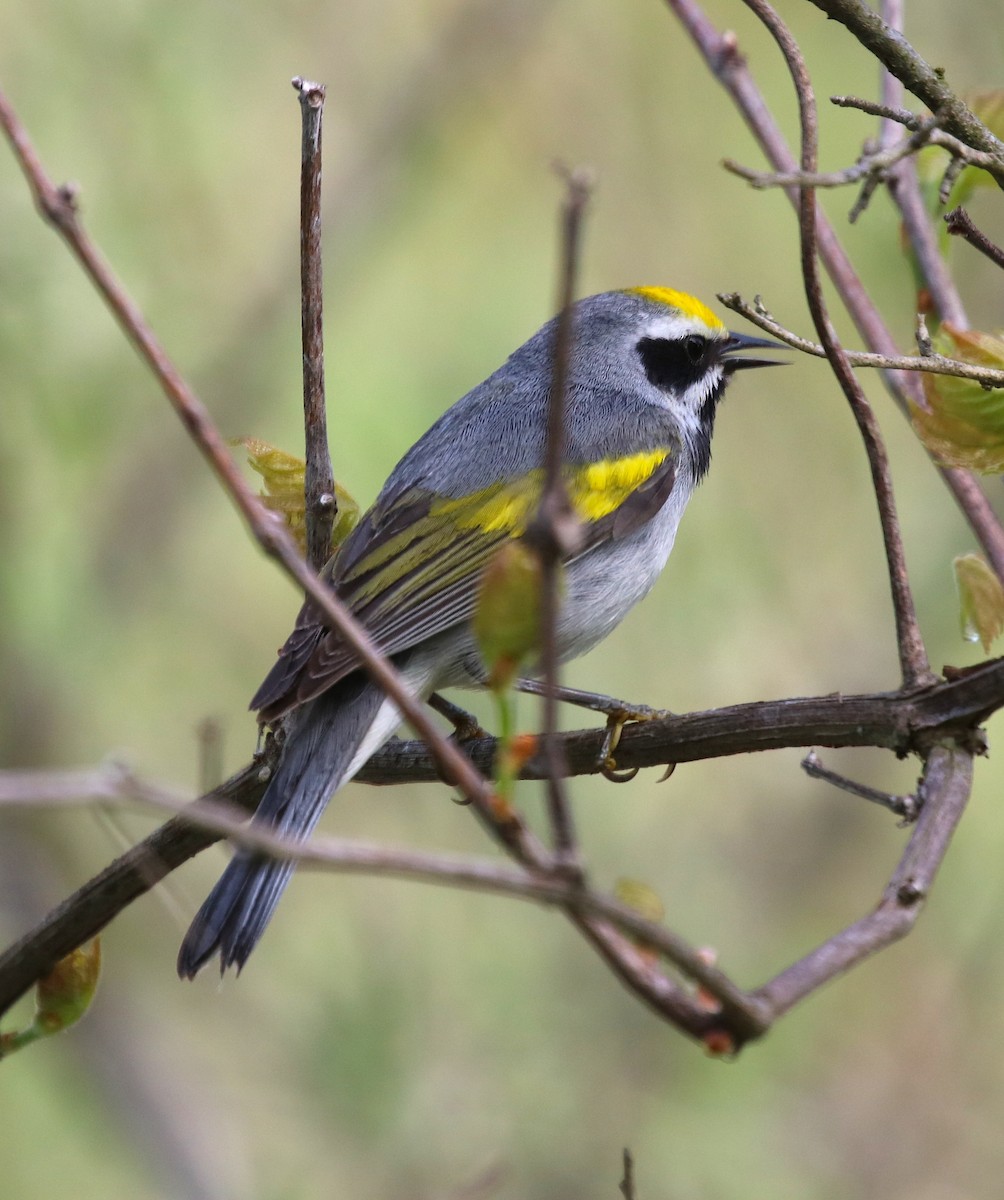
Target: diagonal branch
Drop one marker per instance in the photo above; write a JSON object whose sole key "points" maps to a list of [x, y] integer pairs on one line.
{"points": [[57, 206], [945, 790]]}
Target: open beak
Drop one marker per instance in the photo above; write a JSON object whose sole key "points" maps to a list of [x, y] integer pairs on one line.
{"points": [[734, 359]]}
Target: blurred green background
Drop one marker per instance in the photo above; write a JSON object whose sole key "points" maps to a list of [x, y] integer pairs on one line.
{"points": [[389, 1039]]}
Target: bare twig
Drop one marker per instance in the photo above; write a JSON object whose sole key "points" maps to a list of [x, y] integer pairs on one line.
{"points": [[960, 223], [627, 1179], [892, 115], [210, 735], [319, 483], [905, 807], [912, 654], [942, 293], [929, 363], [872, 166]]}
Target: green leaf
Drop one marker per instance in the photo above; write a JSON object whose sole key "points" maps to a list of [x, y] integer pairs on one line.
{"points": [[641, 897], [61, 997], [981, 600], [507, 617], [962, 423]]}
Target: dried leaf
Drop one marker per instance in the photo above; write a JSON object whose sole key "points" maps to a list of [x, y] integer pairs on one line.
{"points": [[981, 600], [962, 423]]}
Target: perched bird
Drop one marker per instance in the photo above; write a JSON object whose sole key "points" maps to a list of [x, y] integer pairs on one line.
{"points": [[646, 371]]}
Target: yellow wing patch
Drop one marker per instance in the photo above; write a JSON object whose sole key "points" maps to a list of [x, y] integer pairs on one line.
{"points": [[595, 490], [690, 306]]}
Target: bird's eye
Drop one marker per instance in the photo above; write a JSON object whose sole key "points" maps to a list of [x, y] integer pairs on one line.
{"points": [[694, 347]]}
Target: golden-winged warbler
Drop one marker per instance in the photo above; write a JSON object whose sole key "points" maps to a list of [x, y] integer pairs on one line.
{"points": [[647, 369]]}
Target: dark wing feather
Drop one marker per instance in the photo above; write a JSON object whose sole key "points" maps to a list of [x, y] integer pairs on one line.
{"points": [[437, 566]]}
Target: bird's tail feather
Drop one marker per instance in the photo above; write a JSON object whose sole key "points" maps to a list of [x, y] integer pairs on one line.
{"points": [[331, 738]]}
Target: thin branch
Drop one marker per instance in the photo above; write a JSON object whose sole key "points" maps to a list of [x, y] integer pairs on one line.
{"points": [[58, 207], [319, 483], [904, 187], [555, 531], [928, 363], [114, 784], [912, 653], [627, 1179], [905, 807], [872, 166], [960, 224]]}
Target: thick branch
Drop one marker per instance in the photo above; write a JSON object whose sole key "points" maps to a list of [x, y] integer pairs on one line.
{"points": [[902, 722]]}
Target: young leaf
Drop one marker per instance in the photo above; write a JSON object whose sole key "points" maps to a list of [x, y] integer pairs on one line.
{"points": [[61, 997], [981, 600], [507, 616], [962, 423], [283, 476]]}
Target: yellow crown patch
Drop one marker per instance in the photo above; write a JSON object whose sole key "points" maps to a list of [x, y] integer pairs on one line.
{"points": [[690, 306]]}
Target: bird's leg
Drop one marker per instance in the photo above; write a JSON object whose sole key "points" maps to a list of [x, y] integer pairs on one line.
{"points": [[466, 727], [617, 712]]}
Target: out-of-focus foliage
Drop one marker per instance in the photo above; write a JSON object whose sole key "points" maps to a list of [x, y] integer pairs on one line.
{"points": [[389, 1040], [962, 423]]}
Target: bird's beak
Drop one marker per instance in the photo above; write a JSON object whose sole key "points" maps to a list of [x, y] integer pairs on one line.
{"points": [[735, 360]]}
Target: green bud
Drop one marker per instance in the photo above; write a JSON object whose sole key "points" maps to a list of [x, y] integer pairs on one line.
{"points": [[507, 616]]}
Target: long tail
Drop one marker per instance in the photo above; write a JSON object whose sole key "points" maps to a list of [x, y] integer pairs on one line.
{"points": [[331, 739]]}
